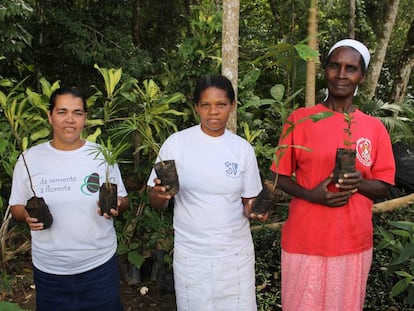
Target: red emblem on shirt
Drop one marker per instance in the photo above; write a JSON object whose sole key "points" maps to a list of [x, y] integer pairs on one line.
{"points": [[363, 151]]}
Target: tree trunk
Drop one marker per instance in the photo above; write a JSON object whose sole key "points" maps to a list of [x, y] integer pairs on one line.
{"points": [[405, 65], [393, 204], [230, 50], [379, 55], [352, 10], [136, 23], [274, 7], [311, 64]]}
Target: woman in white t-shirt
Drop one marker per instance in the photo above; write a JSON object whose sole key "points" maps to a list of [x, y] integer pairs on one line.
{"points": [[74, 260], [219, 180]]}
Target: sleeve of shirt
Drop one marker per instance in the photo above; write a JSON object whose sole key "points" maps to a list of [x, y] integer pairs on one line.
{"points": [[384, 166], [20, 191], [116, 173], [165, 154], [252, 183]]}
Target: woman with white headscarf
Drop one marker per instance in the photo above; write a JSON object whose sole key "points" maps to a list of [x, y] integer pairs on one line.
{"points": [[327, 240]]}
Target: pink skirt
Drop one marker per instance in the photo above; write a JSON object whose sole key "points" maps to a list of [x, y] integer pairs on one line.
{"points": [[317, 283]]}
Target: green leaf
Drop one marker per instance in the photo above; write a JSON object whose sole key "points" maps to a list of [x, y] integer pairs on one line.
{"points": [[405, 255], [6, 83], [406, 225], [399, 287], [42, 133], [136, 259], [8, 306], [320, 116], [306, 52], [93, 137], [277, 92]]}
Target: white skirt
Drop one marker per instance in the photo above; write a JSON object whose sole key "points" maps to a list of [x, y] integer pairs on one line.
{"points": [[215, 283]]}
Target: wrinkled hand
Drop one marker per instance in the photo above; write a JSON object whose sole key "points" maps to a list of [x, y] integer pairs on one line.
{"points": [[321, 195], [33, 223]]}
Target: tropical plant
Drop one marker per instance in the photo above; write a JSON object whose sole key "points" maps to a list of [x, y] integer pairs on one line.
{"points": [[152, 120], [349, 120], [268, 197], [400, 241], [23, 121], [115, 98], [109, 155], [396, 118]]}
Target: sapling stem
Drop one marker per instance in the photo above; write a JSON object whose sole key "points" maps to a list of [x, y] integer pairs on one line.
{"points": [[28, 173]]}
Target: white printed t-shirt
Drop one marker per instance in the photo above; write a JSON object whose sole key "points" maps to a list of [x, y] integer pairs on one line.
{"points": [[79, 238], [214, 174]]}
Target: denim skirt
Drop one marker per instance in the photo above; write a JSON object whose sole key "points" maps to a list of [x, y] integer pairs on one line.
{"points": [[97, 289]]}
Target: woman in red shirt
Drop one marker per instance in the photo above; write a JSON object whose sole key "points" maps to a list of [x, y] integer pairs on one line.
{"points": [[327, 240]]}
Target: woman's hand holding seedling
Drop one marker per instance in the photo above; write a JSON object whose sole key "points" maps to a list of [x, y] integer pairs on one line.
{"points": [[321, 195], [158, 196], [114, 212], [350, 181], [248, 204], [33, 223]]}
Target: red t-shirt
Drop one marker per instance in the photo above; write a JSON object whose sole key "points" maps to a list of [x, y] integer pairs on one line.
{"points": [[315, 229]]}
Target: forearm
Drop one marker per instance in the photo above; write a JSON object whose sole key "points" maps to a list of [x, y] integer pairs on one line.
{"points": [[19, 213], [288, 185], [373, 189], [123, 204]]}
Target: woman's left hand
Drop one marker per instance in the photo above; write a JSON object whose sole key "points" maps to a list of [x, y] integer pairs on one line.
{"points": [[248, 206], [113, 211]]}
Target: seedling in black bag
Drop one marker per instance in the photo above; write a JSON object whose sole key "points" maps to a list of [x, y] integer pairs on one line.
{"points": [[37, 207]]}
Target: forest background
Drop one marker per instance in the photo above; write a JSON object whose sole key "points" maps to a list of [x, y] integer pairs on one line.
{"points": [[138, 60]]}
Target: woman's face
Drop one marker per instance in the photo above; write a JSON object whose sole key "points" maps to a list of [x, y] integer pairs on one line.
{"points": [[68, 120], [343, 73], [214, 108]]}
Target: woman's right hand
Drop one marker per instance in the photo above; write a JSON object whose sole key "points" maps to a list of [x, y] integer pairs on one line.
{"points": [[33, 223], [321, 195], [158, 196]]}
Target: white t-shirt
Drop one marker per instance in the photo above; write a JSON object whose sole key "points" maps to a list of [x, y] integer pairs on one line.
{"points": [[79, 238], [214, 174]]}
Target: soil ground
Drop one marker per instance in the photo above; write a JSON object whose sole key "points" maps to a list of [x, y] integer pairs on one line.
{"points": [[23, 293]]}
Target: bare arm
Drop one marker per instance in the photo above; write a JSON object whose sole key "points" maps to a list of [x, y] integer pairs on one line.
{"points": [[318, 195], [351, 183], [371, 188], [123, 204], [19, 213]]}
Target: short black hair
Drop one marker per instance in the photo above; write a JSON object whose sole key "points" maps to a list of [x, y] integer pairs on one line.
{"points": [[63, 90], [217, 81]]}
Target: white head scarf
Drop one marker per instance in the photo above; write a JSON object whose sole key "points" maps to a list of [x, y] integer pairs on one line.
{"points": [[360, 47]]}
